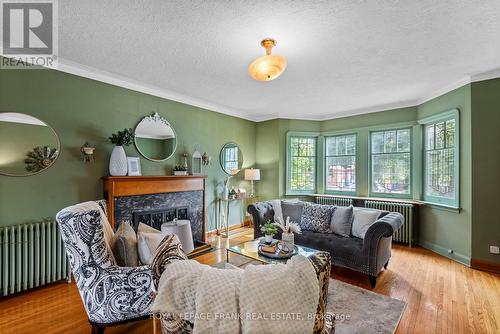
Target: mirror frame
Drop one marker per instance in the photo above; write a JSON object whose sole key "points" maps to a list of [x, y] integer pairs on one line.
{"points": [[239, 152], [58, 144], [155, 117]]}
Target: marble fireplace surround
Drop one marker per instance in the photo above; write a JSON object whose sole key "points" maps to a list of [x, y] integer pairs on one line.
{"points": [[128, 194], [125, 206]]}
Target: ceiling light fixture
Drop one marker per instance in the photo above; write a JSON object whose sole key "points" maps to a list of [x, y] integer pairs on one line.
{"points": [[268, 67]]}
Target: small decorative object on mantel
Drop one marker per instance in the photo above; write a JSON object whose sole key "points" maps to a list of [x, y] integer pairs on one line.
{"points": [[180, 170], [206, 159], [118, 160], [185, 161], [87, 152], [269, 229], [288, 230], [40, 158], [196, 163], [134, 166]]}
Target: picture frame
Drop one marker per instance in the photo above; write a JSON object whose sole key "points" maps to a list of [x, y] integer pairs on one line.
{"points": [[134, 166]]}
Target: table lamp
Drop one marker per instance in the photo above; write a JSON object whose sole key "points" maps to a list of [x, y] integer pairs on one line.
{"points": [[252, 175]]}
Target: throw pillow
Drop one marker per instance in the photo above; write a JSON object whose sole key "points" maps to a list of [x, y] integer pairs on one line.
{"points": [[316, 217], [146, 228], [147, 244], [124, 246], [363, 219], [278, 213], [341, 222], [292, 210]]}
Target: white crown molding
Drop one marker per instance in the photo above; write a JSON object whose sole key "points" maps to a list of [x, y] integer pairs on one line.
{"points": [[493, 74], [124, 82], [446, 89]]}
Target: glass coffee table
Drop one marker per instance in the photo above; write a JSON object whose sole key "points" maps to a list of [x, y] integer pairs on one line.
{"points": [[249, 249]]}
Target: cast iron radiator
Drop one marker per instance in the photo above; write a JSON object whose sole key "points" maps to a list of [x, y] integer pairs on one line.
{"points": [[31, 255], [403, 235], [340, 201]]}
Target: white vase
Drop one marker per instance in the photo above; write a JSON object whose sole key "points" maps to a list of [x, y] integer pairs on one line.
{"points": [[118, 162], [288, 240], [268, 238]]}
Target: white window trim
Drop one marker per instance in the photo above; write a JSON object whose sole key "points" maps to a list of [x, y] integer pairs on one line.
{"points": [[451, 114]]}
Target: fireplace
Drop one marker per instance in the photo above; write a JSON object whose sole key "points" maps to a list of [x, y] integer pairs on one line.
{"points": [[154, 200]]}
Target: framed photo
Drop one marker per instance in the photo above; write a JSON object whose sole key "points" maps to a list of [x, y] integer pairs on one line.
{"points": [[134, 166]]}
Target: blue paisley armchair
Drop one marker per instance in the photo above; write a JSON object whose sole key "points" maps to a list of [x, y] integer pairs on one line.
{"points": [[110, 294]]}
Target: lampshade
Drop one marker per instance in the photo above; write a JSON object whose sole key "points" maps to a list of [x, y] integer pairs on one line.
{"points": [[252, 174], [268, 67]]}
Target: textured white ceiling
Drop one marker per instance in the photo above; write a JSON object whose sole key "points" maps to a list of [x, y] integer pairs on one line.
{"points": [[344, 57]]}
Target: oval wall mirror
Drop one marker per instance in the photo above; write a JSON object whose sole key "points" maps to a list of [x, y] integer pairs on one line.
{"points": [[27, 145], [155, 138], [231, 158]]}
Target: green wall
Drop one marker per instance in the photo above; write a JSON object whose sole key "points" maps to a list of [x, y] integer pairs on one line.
{"points": [[83, 110], [441, 229], [485, 169]]}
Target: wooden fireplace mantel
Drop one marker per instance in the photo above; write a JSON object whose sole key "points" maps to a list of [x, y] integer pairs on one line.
{"points": [[118, 186]]}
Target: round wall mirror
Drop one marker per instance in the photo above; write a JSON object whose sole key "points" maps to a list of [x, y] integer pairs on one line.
{"points": [[27, 145], [231, 158], [155, 138]]}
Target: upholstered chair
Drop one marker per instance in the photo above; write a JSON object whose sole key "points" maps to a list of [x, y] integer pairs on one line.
{"points": [[170, 250], [110, 294]]}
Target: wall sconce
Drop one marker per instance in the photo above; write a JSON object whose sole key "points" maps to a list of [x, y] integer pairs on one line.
{"points": [[87, 152]]}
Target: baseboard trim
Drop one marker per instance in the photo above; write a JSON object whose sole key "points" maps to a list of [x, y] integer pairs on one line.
{"points": [[485, 265], [246, 223], [465, 260]]}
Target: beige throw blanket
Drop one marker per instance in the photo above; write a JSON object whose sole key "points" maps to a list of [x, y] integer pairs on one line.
{"points": [[260, 299]]}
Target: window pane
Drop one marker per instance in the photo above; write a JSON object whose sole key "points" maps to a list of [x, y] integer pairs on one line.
{"points": [[351, 145], [331, 145], [341, 145], [440, 135], [450, 133], [302, 163], [391, 173], [429, 133], [377, 142], [440, 173], [404, 140], [390, 141], [341, 173]]}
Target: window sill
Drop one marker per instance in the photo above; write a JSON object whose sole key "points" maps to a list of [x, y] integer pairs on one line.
{"points": [[443, 207]]}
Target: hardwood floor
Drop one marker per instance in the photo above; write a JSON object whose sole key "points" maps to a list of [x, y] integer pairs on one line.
{"points": [[442, 296]]}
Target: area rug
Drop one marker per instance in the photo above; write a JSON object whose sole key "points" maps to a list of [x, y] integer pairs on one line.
{"points": [[359, 311]]}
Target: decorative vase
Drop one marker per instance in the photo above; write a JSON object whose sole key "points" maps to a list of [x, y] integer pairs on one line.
{"points": [[288, 240], [118, 162], [268, 238]]}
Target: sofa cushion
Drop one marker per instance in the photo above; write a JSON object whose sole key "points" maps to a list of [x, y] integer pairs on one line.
{"points": [[148, 239], [124, 246], [341, 222], [316, 217], [292, 210], [362, 220], [278, 213], [338, 246]]}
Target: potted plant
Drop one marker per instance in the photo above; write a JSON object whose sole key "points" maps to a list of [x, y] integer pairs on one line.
{"points": [[289, 228], [180, 170], [269, 230], [118, 160]]}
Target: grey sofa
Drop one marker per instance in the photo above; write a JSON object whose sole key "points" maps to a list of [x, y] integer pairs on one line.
{"points": [[368, 255]]}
